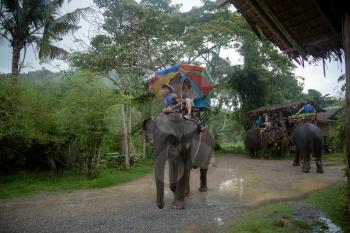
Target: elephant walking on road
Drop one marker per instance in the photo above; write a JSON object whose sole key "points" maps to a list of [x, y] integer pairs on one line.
{"points": [[185, 147], [257, 140], [307, 138]]}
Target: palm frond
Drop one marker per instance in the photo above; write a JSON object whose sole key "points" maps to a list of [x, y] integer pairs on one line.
{"points": [[74, 16], [51, 52]]}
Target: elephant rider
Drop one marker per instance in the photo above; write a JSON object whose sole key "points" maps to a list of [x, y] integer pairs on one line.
{"points": [[308, 108], [187, 97], [171, 100], [260, 122]]}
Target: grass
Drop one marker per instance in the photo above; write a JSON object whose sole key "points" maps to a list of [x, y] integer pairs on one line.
{"points": [[271, 218], [25, 183], [235, 148], [278, 217], [334, 159], [333, 202]]}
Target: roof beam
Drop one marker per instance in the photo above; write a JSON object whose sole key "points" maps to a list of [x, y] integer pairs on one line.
{"points": [[280, 26], [267, 21]]}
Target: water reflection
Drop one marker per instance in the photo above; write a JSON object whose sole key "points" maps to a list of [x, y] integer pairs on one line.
{"points": [[234, 185], [331, 227], [219, 221]]}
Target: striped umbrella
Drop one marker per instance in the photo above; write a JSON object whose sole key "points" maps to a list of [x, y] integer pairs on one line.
{"points": [[201, 81]]}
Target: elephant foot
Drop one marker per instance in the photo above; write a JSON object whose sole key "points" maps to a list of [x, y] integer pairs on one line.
{"points": [[187, 192], [305, 170], [203, 189], [173, 188], [161, 205], [178, 204], [319, 170], [296, 164]]}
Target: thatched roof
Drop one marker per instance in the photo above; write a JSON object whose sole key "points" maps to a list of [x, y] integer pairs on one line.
{"points": [[272, 108], [329, 115], [284, 108], [298, 27]]}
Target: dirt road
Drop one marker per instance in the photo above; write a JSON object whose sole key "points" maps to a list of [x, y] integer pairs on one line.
{"points": [[235, 185]]}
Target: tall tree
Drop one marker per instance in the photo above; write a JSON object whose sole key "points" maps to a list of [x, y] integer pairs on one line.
{"points": [[36, 22]]}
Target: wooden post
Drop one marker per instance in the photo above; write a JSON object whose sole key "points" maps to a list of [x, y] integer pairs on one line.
{"points": [[346, 48], [282, 120]]}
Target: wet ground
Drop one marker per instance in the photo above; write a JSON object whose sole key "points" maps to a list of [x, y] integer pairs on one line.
{"points": [[235, 185]]}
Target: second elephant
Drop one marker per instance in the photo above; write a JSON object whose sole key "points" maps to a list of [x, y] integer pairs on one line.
{"points": [[307, 138], [258, 141]]}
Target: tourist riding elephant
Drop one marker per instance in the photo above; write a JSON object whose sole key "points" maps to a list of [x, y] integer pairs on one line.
{"points": [[185, 146], [257, 140], [307, 138]]}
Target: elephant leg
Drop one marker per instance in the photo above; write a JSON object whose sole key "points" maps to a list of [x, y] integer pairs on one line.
{"points": [[319, 164], [179, 198], [188, 189], [306, 155], [159, 177], [203, 177], [269, 152], [318, 156], [172, 175], [296, 157]]}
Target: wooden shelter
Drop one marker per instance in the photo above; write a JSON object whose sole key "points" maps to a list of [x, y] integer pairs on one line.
{"points": [[326, 121], [317, 28]]}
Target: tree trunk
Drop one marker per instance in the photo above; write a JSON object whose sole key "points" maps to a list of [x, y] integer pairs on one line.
{"points": [[125, 138], [52, 163], [16, 52], [131, 145], [346, 47], [143, 146]]}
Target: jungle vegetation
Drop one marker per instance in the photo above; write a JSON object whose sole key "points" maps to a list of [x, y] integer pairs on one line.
{"points": [[88, 117]]}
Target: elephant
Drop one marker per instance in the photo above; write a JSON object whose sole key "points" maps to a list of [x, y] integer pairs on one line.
{"points": [[257, 140], [307, 138], [185, 146]]}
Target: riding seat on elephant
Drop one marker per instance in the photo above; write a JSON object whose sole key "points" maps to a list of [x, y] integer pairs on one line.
{"points": [[185, 146]]}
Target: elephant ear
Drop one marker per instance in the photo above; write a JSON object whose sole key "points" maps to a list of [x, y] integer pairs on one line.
{"points": [[148, 127]]}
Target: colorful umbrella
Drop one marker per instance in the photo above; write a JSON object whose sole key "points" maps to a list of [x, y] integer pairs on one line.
{"points": [[201, 81]]}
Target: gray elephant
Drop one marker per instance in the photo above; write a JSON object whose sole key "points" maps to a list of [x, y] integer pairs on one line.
{"points": [[307, 138], [185, 146], [257, 141]]}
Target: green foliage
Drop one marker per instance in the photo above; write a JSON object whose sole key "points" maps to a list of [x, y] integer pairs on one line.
{"points": [[340, 124], [41, 118], [37, 23], [26, 183], [322, 100], [140, 35]]}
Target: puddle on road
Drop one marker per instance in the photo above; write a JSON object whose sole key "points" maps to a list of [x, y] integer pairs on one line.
{"points": [[329, 226], [234, 186], [219, 221]]}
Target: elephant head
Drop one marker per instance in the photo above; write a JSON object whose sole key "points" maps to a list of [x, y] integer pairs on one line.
{"points": [[173, 138], [148, 126]]}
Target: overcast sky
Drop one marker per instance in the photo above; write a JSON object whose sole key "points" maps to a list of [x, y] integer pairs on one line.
{"points": [[313, 74]]}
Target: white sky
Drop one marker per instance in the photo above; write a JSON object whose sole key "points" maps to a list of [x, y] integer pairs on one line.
{"points": [[313, 74]]}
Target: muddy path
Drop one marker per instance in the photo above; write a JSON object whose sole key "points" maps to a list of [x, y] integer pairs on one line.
{"points": [[235, 185]]}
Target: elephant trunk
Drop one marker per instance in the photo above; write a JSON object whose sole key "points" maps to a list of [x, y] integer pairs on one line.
{"points": [[159, 177]]}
